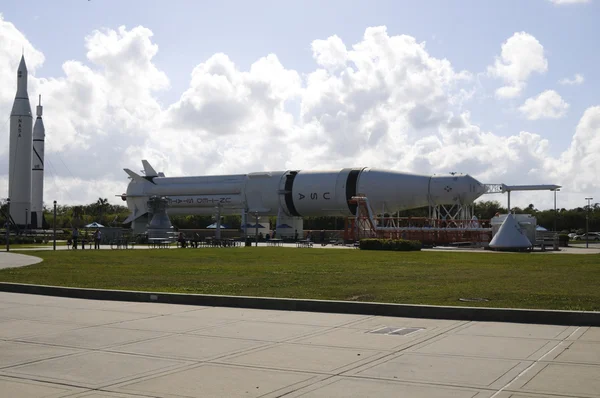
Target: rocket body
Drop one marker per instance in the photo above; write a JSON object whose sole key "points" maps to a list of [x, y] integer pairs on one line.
{"points": [[19, 159], [37, 170], [300, 193]]}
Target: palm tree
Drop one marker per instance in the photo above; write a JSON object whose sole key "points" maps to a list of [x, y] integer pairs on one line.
{"points": [[101, 207], [77, 215]]}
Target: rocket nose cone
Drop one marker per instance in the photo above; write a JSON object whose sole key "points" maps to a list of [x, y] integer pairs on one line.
{"points": [[477, 188], [39, 132], [22, 79], [22, 66]]}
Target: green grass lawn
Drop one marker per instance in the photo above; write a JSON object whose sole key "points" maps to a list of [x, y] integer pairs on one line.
{"points": [[552, 281]]}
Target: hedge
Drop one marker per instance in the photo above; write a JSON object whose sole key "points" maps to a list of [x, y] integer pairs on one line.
{"points": [[563, 240], [22, 239], [389, 244]]}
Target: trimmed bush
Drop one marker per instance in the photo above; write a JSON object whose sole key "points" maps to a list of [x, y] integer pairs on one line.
{"points": [[563, 240], [389, 244], [20, 239]]}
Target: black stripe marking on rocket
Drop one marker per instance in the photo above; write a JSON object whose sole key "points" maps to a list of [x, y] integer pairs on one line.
{"points": [[351, 189], [289, 199], [39, 158]]}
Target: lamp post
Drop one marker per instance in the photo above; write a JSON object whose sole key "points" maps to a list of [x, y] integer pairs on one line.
{"points": [[555, 214], [54, 226], [8, 224], [256, 226], [218, 229], [25, 228], [587, 223]]}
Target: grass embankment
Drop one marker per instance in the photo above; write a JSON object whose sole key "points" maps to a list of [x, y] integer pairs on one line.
{"points": [[552, 281]]}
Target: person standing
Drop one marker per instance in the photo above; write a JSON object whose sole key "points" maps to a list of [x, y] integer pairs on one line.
{"points": [[74, 237], [97, 238], [181, 240]]}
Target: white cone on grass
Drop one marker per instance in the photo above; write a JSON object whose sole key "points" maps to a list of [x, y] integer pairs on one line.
{"points": [[509, 236]]}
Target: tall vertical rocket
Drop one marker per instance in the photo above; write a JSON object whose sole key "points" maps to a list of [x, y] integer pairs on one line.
{"points": [[37, 170], [19, 158]]}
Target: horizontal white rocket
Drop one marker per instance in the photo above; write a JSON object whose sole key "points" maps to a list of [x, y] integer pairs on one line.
{"points": [[297, 193]]}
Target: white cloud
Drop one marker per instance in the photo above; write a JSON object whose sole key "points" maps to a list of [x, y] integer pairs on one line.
{"points": [[583, 156], [14, 43], [562, 2], [579, 166], [576, 80], [547, 105], [330, 53], [92, 113], [522, 54], [384, 101]]}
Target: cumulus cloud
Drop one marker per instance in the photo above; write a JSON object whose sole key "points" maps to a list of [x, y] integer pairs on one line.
{"points": [[578, 166], [583, 153], [94, 112], [14, 43], [384, 101], [330, 53], [547, 105], [576, 80], [521, 55]]}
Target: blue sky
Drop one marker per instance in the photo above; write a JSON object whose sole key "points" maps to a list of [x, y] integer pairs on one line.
{"points": [[469, 34]]}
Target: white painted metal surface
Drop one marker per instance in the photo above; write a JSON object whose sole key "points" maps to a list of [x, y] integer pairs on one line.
{"points": [[37, 169], [299, 193], [510, 236], [19, 158]]}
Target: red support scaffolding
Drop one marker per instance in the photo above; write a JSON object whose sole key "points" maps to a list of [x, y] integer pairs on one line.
{"points": [[428, 231]]}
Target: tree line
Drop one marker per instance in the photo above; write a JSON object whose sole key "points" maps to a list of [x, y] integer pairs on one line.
{"points": [[77, 216], [112, 215]]}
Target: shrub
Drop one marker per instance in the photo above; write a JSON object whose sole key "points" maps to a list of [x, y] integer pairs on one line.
{"points": [[563, 240], [389, 244], [19, 239]]}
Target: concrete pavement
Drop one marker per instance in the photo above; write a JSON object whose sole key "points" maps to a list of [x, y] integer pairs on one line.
{"points": [[61, 347], [11, 260], [578, 249]]}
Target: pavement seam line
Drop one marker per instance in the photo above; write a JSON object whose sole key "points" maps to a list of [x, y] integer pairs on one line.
{"points": [[533, 364], [388, 356]]}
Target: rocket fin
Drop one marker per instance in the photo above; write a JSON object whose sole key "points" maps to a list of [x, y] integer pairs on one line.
{"points": [[149, 170], [136, 177], [132, 217]]}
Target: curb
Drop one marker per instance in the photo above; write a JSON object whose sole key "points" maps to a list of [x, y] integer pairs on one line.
{"points": [[549, 317]]}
